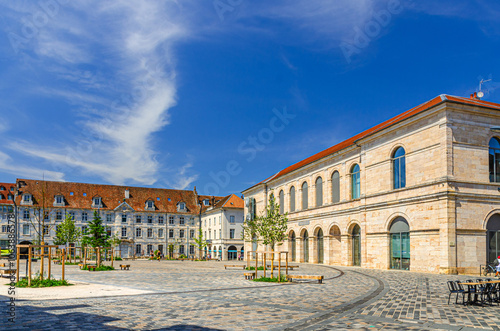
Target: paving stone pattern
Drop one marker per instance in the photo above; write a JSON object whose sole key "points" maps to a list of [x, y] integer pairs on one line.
{"points": [[203, 296]]}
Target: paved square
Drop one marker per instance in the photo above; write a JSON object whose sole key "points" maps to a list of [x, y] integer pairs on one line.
{"points": [[186, 295]]}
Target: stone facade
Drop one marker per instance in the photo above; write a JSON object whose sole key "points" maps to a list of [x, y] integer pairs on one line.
{"points": [[446, 201]]}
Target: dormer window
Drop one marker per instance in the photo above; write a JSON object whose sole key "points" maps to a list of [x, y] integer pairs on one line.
{"points": [[2, 188], [27, 199], [10, 197], [1, 196], [181, 206], [150, 205], [206, 202], [59, 200], [96, 202]]}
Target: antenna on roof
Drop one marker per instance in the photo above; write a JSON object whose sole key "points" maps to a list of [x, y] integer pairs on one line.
{"points": [[480, 94]]}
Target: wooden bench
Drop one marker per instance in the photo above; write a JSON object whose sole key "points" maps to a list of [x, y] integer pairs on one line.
{"points": [[80, 265], [125, 266], [242, 266], [249, 275], [317, 277], [282, 266], [7, 271], [91, 267]]}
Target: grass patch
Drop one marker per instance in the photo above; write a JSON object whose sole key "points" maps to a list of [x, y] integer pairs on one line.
{"points": [[253, 268], [270, 280], [118, 258], [38, 282], [101, 268]]}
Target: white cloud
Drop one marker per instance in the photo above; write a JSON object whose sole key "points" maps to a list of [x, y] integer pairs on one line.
{"points": [[10, 167]]}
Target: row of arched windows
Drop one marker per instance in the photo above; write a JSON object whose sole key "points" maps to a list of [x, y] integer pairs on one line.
{"points": [[398, 174]]}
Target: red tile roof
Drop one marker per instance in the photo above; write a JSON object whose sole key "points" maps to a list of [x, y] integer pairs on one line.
{"points": [[79, 196], [407, 114], [8, 188]]}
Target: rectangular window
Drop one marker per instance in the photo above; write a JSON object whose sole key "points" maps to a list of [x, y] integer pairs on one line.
{"points": [[124, 232], [46, 230], [220, 220], [27, 198], [138, 219], [181, 220], [181, 249], [149, 248], [150, 233], [209, 234], [58, 215], [170, 233], [181, 233], [97, 202], [220, 234], [108, 231], [231, 219], [26, 214], [150, 219], [138, 249], [171, 220], [138, 232], [5, 228], [160, 219], [84, 217], [191, 249], [191, 233], [46, 215], [215, 235], [59, 199], [124, 218], [109, 218], [231, 233], [84, 229], [72, 214], [160, 233], [160, 248], [26, 229]]}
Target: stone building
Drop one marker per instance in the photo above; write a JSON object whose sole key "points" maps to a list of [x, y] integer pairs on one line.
{"points": [[144, 219], [418, 192], [6, 207], [222, 224]]}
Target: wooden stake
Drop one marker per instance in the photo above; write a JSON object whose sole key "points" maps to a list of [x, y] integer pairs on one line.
{"points": [[50, 261], [42, 251], [63, 261], [29, 265], [85, 257], [279, 267], [264, 264], [256, 263], [17, 264], [286, 256], [112, 256]]}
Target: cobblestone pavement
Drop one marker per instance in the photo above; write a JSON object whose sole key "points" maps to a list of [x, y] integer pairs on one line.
{"points": [[203, 296]]}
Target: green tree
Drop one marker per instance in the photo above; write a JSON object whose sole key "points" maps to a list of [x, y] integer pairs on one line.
{"points": [[67, 232], [270, 227], [200, 242], [97, 236]]}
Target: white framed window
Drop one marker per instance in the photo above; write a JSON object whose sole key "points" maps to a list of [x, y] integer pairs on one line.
{"points": [[138, 249], [46, 230], [97, 201], [26, 214], [231, 233], [150, 233], [138, 219], [5, 228], [109, 218], [160, 233], [108, 231], [138, 232], [182, 205], [220, 234], [72, 214], [150, 219], [231, 219], [191, 233], [124, 232], [150, 204], [124, 218], [58, 215], [26, 229], [206, 202], [181, 220], [215, 235], [191, 249], [171, 220], [26, 198], [149, 248], [160, 219], [220, 220], [84, 229], [181, 249], [171, 233], [84, 216], [181, 234]]}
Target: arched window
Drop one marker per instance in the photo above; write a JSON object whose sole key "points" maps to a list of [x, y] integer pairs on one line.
{"points": [[304, 196], [356, 246], [292, 199], [355, 182], [282, 202], [400, 244], [494, 160], [399, 168], [319, 192], [335, 187]]}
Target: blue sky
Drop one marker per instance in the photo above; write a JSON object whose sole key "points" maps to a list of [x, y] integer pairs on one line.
{"points": [[221, 94]]}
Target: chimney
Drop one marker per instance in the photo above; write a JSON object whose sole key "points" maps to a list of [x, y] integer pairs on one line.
{"points": [[127, 194], [473, 96]]}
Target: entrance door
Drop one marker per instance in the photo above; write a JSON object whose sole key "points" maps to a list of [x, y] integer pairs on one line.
{"points": [[493, 238], [306, 246], [320, 246], [400, 244], [232, 253], [356, 246], [294, 246]]}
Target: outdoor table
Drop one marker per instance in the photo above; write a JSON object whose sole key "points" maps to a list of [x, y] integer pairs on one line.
{"points": [[472, 286]]}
